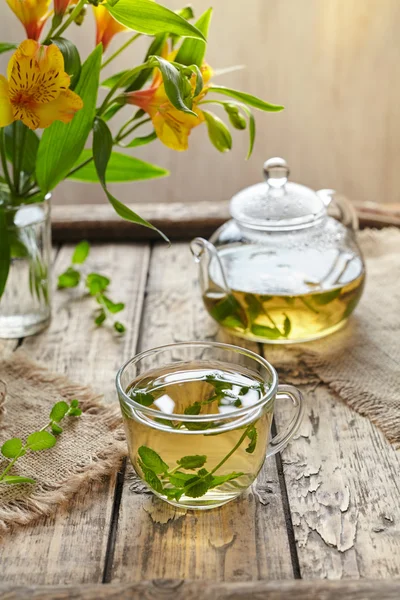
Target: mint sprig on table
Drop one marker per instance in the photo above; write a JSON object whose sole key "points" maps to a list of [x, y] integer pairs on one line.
{"points": [[14, 448], [158, 475], [95, 283]]}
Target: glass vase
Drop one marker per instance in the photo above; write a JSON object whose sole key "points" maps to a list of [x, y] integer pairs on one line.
{"points": [[25, 306]]}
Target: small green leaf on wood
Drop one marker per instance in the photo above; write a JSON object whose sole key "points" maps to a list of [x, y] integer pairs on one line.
{"points": [[100, 317], [69, 279], [96, 283], [81, 253], [119, 327]]}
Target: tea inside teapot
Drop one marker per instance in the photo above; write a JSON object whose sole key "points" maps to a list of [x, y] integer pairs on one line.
{"points": [[278, 282]]}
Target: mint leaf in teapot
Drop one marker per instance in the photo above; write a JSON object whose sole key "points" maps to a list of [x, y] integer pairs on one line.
{"points": [[192, 462], [252, 435], [152, 460]]}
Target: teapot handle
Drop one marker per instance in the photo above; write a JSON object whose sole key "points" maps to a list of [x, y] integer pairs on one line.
{"points": [[348, 215]]}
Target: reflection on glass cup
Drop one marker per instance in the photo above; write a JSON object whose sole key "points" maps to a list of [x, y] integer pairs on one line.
{"points": [[198, 417]]}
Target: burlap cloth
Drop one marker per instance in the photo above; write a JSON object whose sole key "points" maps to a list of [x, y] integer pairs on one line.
{"points": [[362, 361], [90, 446]]}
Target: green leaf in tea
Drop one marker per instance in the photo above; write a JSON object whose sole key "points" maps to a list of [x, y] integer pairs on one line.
{"points": [[12, 448], [179, 479], [287, 326], [192, 462], [327, 297], [40, 440], [221, 479], [143, 398], [152, 460], [252, 435], [153, 481], [198, 486]]}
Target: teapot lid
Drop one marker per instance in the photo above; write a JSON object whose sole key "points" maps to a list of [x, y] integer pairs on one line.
{"points": [[276, 203]]}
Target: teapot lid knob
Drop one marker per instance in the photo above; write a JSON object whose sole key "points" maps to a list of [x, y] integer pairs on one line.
{"points": [[276, 172]]}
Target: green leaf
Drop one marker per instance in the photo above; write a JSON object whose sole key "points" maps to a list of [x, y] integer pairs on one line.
{"points": [[152, 479], [59, 411], [193, 409], [179, 479], [197, 486], [218, 132], [236, 121], [74, 412], [152, 460], [142, 141], [112, 306], [121, 168], [69, 279], [192, 51], [96, 283], [186, 13], [101, 317], [192, 462], [56, 429], [61, 143], [74, 403], [220, 479], [327, 297], [102, 147], [143, 398], [148, 17], [5, 253], [177, 85], [287, 326], [155, 49], [228, 308], [270, 333], [252, 435], [40, 440], [15, 479], [81, 253], [11, 448], [29, 148], [119, 327], [6, 46], [72, 60], [246, 98]]}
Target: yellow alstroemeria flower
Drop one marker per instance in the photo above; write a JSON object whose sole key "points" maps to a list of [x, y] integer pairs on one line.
{"points": [[171, 125], [106, 26], [33, 14], [36, 91]]}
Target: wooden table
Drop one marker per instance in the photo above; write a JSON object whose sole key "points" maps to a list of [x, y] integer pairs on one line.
{"points": [[328, 508]]}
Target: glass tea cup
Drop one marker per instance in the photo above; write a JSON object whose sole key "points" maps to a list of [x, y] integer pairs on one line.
{"points": [[198, 417]]}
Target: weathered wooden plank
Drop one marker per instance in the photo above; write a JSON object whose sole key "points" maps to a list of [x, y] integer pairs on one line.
{"points": [[71, 546], [342, 478], [177, 220], [243, 540], [195, 590]]}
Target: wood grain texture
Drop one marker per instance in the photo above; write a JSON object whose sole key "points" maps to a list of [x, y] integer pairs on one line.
{"points": [[187, 590], [71, 546], [343, 487], [243, 540], [182, 221]]}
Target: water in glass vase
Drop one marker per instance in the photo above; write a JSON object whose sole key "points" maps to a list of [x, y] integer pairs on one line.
{"points": [[202, 463], [285, 297]]}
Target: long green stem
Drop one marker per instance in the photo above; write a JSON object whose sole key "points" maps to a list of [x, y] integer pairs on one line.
{"points": [[239, 443], [3, 157], [12, 463], [83, 164], [67, 23], [123, 47], [125, 77], [121, 136]]}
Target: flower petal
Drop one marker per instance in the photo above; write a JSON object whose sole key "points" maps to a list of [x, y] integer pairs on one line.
{"points": [[106, 26], [32, 14], [173, 127], [6, 111], [62, 109]]}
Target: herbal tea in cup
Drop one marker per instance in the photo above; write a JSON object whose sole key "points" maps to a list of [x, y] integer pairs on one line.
{"points": [[198, 418]]}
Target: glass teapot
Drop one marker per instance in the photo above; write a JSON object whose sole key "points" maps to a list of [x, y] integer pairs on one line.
{"points": [[286, 268]]}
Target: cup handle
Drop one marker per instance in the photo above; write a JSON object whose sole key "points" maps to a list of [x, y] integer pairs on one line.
{"points": [[287, 392]]}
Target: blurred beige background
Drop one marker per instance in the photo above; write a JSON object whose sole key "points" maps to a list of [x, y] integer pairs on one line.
{"points": [[334, 64]]}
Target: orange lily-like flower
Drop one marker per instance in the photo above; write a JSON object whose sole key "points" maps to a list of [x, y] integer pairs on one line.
{"points": [[36, 91], [60, 6], [106, 26], [33, 14], [171, 125]]}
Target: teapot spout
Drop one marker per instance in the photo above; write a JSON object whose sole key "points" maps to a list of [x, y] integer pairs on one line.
{"points": [[212, 276]]}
